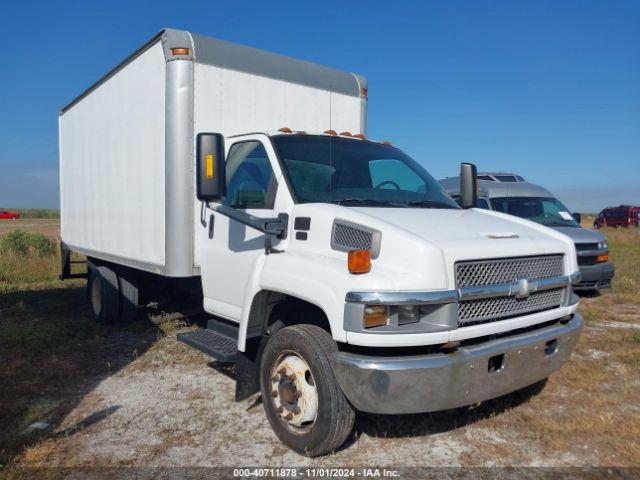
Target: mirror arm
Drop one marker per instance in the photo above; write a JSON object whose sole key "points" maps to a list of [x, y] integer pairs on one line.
{"points": [[270, 226]]}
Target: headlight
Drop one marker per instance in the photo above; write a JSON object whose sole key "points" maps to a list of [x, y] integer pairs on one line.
{"points": [[602, 245]]}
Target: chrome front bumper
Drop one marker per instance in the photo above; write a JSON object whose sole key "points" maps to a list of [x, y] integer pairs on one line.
{"points": [[413, 384]]}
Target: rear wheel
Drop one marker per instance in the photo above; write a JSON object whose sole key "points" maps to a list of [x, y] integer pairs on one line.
{"points": [[104, 295], [129, 296], [303, 402]]}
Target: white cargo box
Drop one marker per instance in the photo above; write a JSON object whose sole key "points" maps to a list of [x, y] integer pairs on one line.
{"points": [[127, 144]]}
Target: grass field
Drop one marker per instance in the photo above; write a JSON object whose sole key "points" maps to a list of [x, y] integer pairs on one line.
{"points": [[35, 212], [62, 376]]}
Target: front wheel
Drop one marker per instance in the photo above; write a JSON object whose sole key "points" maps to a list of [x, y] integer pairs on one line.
{"points": [[303, 402]]}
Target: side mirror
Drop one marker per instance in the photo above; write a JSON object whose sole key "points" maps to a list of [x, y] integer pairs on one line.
{"points": [[468, 185], [576, 216], [210, 167]]}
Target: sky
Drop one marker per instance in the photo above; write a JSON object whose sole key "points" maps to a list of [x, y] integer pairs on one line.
{"points": [[548, 89]]}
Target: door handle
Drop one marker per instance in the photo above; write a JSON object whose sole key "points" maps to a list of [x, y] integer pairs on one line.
{"points": [[211, 223]]}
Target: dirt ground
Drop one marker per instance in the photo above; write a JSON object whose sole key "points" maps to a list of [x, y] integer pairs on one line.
{"points": [[171, 406]]}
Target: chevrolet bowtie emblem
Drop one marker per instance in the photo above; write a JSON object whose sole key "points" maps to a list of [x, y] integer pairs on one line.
{"points": [[521, 288]]}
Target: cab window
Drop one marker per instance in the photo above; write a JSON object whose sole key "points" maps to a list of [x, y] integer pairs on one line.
{"points": [[250, 179], [483, 203]]}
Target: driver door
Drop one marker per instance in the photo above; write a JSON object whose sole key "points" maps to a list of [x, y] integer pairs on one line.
{"points": [[230, 249]]}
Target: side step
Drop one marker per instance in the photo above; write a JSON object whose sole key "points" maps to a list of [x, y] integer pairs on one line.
{"points": [[219, 340]]}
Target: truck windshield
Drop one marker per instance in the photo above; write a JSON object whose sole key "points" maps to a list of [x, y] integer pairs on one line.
{"points": [[331, 169], [545, 210]]}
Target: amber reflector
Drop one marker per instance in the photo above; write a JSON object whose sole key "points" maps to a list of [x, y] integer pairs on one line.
{"points": [[375, 316], [345, 134], [285, 130], [603, 257], [330, 132], [180, 51], [359, 261], [360, 136], [364, 92]]}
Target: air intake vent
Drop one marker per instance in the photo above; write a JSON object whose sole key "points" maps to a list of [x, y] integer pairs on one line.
{"points": [[347, 236]]}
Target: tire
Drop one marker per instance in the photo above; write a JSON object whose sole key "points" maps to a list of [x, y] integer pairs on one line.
{"points": [[104, 294], [308, 346], [129, 297]]}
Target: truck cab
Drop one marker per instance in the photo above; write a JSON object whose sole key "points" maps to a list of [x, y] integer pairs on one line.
{"points": [[413, 290]]}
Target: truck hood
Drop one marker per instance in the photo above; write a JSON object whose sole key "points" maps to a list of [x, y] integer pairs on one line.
{"points": [[581, 235], [474, 233]]}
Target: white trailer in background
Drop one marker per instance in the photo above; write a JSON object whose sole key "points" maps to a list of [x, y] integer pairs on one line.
{"points": [[338, 274]]}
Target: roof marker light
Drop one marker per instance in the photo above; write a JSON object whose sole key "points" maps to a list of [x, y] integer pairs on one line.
{"points": [[345, 134], [360, 136], [387, 143], [180, 51], [285, 130], [330, 132]]}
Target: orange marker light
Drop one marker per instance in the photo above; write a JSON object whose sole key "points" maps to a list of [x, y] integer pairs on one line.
{"points": [[330, 132], [209, 165], [375, 316], [345, 134], [364, 93], [180, 51], [603, 258], [359, 261], [387, 143], [360, 136], [285, 130]]}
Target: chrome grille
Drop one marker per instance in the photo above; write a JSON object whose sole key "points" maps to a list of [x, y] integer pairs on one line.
{"points": [[489, 309], [352, 238], [487, 272], [586, 246], [507, 270]]}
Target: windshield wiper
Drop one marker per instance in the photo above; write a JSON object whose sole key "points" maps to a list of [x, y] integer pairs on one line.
{"points": [[367, 201], [430, 204]]}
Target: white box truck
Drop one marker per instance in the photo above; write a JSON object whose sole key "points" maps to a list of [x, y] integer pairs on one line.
{"points": [[338, 274]]}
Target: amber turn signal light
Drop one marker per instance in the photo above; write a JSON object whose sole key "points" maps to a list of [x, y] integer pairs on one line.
{"points": [[375, 316], [603, 258], [359, 261], [179, 51]]}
